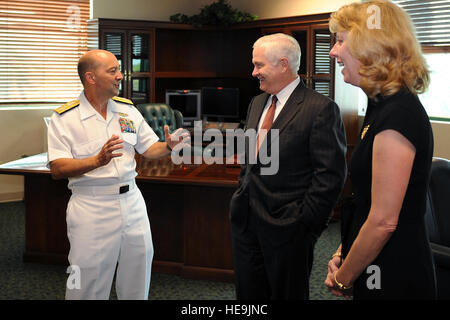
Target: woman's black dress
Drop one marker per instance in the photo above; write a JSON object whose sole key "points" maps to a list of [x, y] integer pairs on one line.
{"points": [[405, 263]]}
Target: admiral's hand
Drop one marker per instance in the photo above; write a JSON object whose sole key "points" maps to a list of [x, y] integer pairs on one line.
{"points": [[180, 137], [107, 152]]}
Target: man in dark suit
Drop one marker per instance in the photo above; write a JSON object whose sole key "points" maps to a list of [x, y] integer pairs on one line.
{"points": [[277, 218]]}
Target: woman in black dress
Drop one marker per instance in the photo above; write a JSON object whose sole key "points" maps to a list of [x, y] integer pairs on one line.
{"points": [[385, 252]]}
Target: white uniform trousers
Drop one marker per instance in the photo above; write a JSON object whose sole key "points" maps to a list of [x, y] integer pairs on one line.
{"points": [[106, 231]]}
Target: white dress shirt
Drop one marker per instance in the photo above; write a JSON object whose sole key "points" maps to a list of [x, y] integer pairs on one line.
{"points": [[282, 98]]}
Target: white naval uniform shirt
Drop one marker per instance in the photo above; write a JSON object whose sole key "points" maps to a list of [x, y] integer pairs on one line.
{"points": [[81, 132]]}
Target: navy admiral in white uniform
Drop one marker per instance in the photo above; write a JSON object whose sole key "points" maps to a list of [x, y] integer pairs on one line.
{"points": [[92, 142]]}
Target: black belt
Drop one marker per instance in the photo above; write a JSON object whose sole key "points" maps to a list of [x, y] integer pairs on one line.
{"points": [[124, 189]]}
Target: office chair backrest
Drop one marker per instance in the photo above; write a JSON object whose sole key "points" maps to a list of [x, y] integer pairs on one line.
{"points": [[158, 115], [438, 202]]}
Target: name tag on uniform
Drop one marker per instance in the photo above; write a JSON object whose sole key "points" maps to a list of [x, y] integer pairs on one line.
{"points": [[127, 125]]}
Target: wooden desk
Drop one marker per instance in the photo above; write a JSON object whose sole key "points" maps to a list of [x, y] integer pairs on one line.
{"points": [[187, 207]]}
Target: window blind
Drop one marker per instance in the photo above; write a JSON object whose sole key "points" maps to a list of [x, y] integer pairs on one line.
{"points": [[431, 19], [322, 60], [40, 44]]}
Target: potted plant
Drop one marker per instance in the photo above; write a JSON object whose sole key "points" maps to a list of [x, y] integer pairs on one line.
{"points": [[218, 13]]}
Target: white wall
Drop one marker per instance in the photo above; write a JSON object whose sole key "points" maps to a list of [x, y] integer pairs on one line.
{"points": [[156, 10], [23, 133], [266, 9], [161, 10]]}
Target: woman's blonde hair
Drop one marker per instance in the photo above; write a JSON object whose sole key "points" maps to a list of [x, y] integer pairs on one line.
{"points": [[382, 37]]}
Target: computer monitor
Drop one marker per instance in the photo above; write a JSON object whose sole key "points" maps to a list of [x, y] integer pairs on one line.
{"points": [[188, 102], [220, 103]]}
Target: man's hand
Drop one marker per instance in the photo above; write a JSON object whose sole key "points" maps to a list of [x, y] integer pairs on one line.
{"points": [[180, 136], [179, 139], [66, 168], [107, 152]]}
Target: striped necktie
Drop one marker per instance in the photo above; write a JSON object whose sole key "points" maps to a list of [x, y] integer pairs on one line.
{"points": [[267, 124]]}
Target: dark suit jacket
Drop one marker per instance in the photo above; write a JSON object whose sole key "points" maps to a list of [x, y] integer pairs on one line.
{"points": [[312, 167]]}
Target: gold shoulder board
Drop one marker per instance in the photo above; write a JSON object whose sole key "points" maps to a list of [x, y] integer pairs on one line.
{"points": [[68, 106], [123, 100]]}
